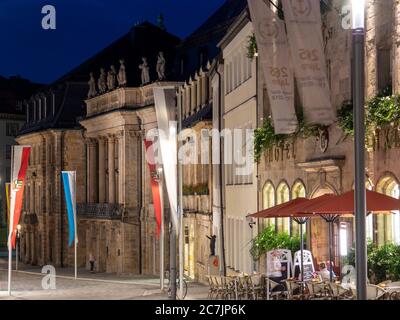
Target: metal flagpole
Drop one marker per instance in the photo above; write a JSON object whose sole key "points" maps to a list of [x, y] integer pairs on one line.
{"points": [[180, 201], [358, 25], [76, 259], [162, 230], [76, 228], [12, 194], [16, 254]]}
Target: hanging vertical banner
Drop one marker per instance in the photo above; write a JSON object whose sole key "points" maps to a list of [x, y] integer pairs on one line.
{"points": [[273, 52], [69, 182], [304, 27], [165, 105], [155, 184], [19, 166]]}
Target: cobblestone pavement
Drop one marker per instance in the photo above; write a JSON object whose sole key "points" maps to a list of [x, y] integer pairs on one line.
{"points": [[27, 285]]}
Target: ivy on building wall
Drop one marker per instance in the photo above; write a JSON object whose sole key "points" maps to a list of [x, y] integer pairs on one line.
{"points": [[381, 111], [265, 137], [345, 118], [251, 46]]}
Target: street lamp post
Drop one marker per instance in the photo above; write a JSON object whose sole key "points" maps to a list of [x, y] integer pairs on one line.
{"points": [[358, 26]]}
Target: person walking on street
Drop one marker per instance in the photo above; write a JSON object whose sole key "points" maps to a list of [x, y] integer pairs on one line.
{"points": [[92, 260]]}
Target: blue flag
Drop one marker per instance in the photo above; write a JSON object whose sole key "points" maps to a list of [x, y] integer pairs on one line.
{"points": [[69, 180]]}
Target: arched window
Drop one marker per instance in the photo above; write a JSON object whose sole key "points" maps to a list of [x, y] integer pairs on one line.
{"points": [[268, 196], [268, 201], [298, 190], [282, 196], [388, 226]]}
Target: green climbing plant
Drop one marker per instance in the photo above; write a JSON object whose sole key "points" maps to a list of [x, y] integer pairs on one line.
{"points": [[268, 239], [265, 137], [251, 46]]}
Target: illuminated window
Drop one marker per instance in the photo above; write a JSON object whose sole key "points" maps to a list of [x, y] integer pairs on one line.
{"points": [[282, 196], [298, 191], [269, 200], [343, 240], [388, 226]]}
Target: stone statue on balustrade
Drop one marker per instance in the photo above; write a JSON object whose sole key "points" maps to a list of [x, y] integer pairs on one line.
{"points": [[121, 77], [92, 86], [111, 78], [161, 66], [102, 82], [145, 71]]}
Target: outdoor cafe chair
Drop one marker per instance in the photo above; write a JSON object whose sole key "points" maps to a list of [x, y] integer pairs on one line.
{"points": [[270, 285], [243, 287], [337, 292], [213, 287], [255, 285], [219, 287], [317, 290], [291, 288], [375, 292]]}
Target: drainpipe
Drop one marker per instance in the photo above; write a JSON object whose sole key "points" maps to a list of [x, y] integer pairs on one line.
{"points": [[257, 164], [220, 172]]}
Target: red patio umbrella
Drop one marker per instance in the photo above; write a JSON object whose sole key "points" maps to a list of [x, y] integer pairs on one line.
{"points": [[344, 204], [273, 211]]}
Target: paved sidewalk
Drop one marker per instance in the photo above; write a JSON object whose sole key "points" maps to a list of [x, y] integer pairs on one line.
{"points": [[27, 284]]}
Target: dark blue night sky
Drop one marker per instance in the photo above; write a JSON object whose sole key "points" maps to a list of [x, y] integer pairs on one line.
{"points": [[83, 28]]}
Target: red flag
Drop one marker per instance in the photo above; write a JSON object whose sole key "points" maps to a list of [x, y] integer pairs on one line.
{"points": [[19, 165], [155, 185]]}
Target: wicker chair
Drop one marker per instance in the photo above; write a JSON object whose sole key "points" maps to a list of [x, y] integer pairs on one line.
{"points": [[317, 290], [255, 286], [291, 289], [375, 292], [211, 287], [337, 292]]}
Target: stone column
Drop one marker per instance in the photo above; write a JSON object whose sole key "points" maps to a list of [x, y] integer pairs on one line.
{"points": [[111, 169], [93, 186], [102, 170]]}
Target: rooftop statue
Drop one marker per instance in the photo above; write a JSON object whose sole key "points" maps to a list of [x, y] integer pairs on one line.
{"points": [[122, 74], [102, 82], [111, 78], [161, 66], [92, 86], [145, 71]]}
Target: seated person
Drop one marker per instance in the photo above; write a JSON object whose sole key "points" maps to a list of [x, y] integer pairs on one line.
{"points": [[275, 269], [324, 272]]}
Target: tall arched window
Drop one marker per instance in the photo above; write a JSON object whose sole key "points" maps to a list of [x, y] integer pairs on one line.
{"points": [[388, 226], [282, 196], [298, 191], [268, 201]]}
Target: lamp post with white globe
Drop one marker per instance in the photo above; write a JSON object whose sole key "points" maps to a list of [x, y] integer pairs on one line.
{"points": [[358, 29]]}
